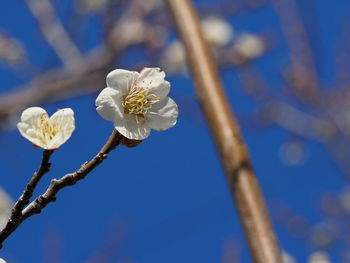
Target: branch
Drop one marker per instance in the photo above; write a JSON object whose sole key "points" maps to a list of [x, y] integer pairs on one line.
{"points": [[241, 178], [49, 196], [28, 192], [16, 211], [59, 83], [54, 31]]}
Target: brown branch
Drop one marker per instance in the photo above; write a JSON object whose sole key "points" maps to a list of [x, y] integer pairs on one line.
{"points": [[28, 192], [23, 200], [234, 156], [49, 196]]}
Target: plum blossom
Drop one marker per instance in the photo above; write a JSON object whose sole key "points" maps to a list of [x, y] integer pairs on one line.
{"points": [[44, 132], [5, 208], [249, 46], [287, 258], [319, 257], [137, 102], [217, 31], [174, 58]]}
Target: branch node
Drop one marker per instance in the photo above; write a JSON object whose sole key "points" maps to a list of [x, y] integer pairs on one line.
{"points": [[102, 156]]}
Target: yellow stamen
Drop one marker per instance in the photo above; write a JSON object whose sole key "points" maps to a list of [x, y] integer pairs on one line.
{"points": [[47, 129], [139, 101]]}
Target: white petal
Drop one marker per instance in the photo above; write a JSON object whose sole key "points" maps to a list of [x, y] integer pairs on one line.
{"points": [[56, 142], [163, 115], [29, 133], [66, 122], [109, 105], [28, 125], [121, 79], [2, 261], [32, 114], [131, 129], [153, 79]]}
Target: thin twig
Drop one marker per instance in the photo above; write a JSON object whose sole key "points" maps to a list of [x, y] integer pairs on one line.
{"points": [[242, 181], [28, 192], [49, 196], [23, 200]]}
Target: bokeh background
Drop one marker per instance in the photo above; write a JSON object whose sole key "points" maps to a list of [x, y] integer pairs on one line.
{"points": [[285, 68]]}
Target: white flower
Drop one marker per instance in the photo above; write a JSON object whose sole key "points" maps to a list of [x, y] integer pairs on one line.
{"points": [[2, 261], [287, 258], [137, 102], [44, 132], [130, 31], [174, 58], [319, 257], [92, 6], [217, 31], [249, 46], [5, 208]]}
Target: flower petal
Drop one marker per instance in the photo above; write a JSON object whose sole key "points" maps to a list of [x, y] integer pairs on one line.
{"points": [[64, 118], [153, 79], [109, 105], [131, 129], [32, 114], [121, 79], [30, 134], [163, 115], [29, 121]]}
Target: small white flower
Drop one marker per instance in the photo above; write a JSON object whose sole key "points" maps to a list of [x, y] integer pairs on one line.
{"points": [[174, 58], [91, 6], [217, 31], [130, 31], [319, 257], [5, 208], [287, 258], [137, 102], [44, 132], [249, 46]]}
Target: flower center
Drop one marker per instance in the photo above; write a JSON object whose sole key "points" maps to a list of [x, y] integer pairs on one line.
{"points": [[139, 101], [46, 129]]}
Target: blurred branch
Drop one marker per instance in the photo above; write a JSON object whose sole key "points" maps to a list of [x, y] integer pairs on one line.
{"points": [[240, 175], [328, 124], [298, 122], [303, 72], [85, 76], [54, 31], [49, 196], [111, 244]]}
